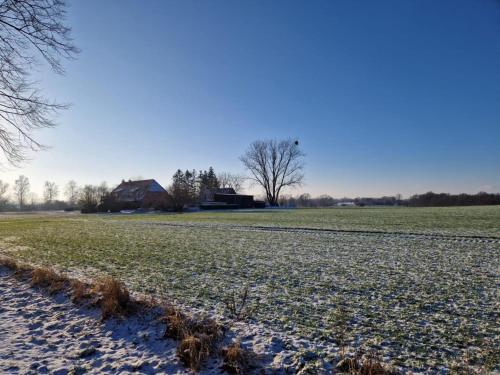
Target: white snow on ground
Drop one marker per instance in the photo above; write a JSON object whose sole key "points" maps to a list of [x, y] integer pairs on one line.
{"points": [[48, 334], [41, 334]]}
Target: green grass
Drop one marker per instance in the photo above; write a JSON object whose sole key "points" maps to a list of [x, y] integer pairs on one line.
{"points": [[418, 299], [484, 220]]}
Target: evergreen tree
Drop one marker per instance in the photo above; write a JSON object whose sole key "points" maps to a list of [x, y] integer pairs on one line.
{"points": [[183, 190], [212, 181]]}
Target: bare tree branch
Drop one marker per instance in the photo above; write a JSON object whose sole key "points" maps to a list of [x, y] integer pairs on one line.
{"points": [[231, 180], [30, 31]]}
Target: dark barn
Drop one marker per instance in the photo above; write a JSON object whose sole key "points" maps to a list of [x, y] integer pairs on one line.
{"points": [[239, 200], [225, 198]]}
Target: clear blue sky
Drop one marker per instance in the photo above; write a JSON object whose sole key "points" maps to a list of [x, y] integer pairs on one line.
{"points": [[385, 97]]}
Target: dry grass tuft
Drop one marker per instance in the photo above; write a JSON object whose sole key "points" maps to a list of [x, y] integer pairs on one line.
{"points": [[48, 278], [373, 367], [79, 291], [209, 328], [194, 350], [114, 297], [199, 336], [368, 366], [237, 360], [9, 263], [180, 325], [21, 271]]}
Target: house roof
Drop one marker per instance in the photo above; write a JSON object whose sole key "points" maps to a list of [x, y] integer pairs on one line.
{"points": [[138, 187]]}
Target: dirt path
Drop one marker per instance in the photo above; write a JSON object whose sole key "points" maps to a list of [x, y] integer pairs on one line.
{"points": [[42, 334]]}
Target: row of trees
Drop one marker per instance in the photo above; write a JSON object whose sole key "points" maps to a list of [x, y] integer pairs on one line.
{"points": [[431, 199], [185, 189], [306, 200], [24, 199]]}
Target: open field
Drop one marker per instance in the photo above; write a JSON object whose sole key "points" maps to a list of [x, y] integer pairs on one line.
{"points": [[420, 286], [482, 221]]}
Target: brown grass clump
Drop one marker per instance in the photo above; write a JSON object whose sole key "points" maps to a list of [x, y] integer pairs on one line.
{"points": [[237, 360], [21, 271], [79, 291], [48, 278], [368, 366], [373, 367], [180, 325], [193, 350], [208, 327], [198, 336], [9, 263], [114, 297]]}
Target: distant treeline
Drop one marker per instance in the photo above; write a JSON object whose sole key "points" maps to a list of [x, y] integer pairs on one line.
{"points": [[431, 199], [306, 200]]}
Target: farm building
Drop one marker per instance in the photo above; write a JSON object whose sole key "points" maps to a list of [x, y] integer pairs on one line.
{"points": [[140, 194], [208, 195], [225, 198]]}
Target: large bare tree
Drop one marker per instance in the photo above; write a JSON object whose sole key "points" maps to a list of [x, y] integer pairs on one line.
{"points": [[30, 31], [275, 165], [22, 190]]}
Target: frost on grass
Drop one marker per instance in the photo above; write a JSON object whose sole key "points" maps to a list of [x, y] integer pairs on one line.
{"points": [[420, 302]]}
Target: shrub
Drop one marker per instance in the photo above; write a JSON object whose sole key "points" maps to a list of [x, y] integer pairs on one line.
{"points": [[199, 336], [9, 263], [79, 291], [193, 350], [237, 304], [48, 278], [237, 360], [114, 297]]}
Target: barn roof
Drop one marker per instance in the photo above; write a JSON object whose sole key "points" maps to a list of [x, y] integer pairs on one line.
{"points": [[138, 186]]}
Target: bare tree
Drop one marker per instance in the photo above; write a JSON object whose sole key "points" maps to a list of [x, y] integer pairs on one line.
{"points": [[88, 199], [274, 165], [50, 192], [71, 192], [33, 200], [102, 190], [304, 200], [3, 193], [30, 31], [22, 190], [231, 180]]}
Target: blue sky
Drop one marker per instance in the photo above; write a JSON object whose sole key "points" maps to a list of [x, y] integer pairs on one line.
{"points": [[385, 97]]}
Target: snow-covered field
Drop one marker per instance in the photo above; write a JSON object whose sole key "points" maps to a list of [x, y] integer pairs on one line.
{"points": [[421, 301], [41, 334]]}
